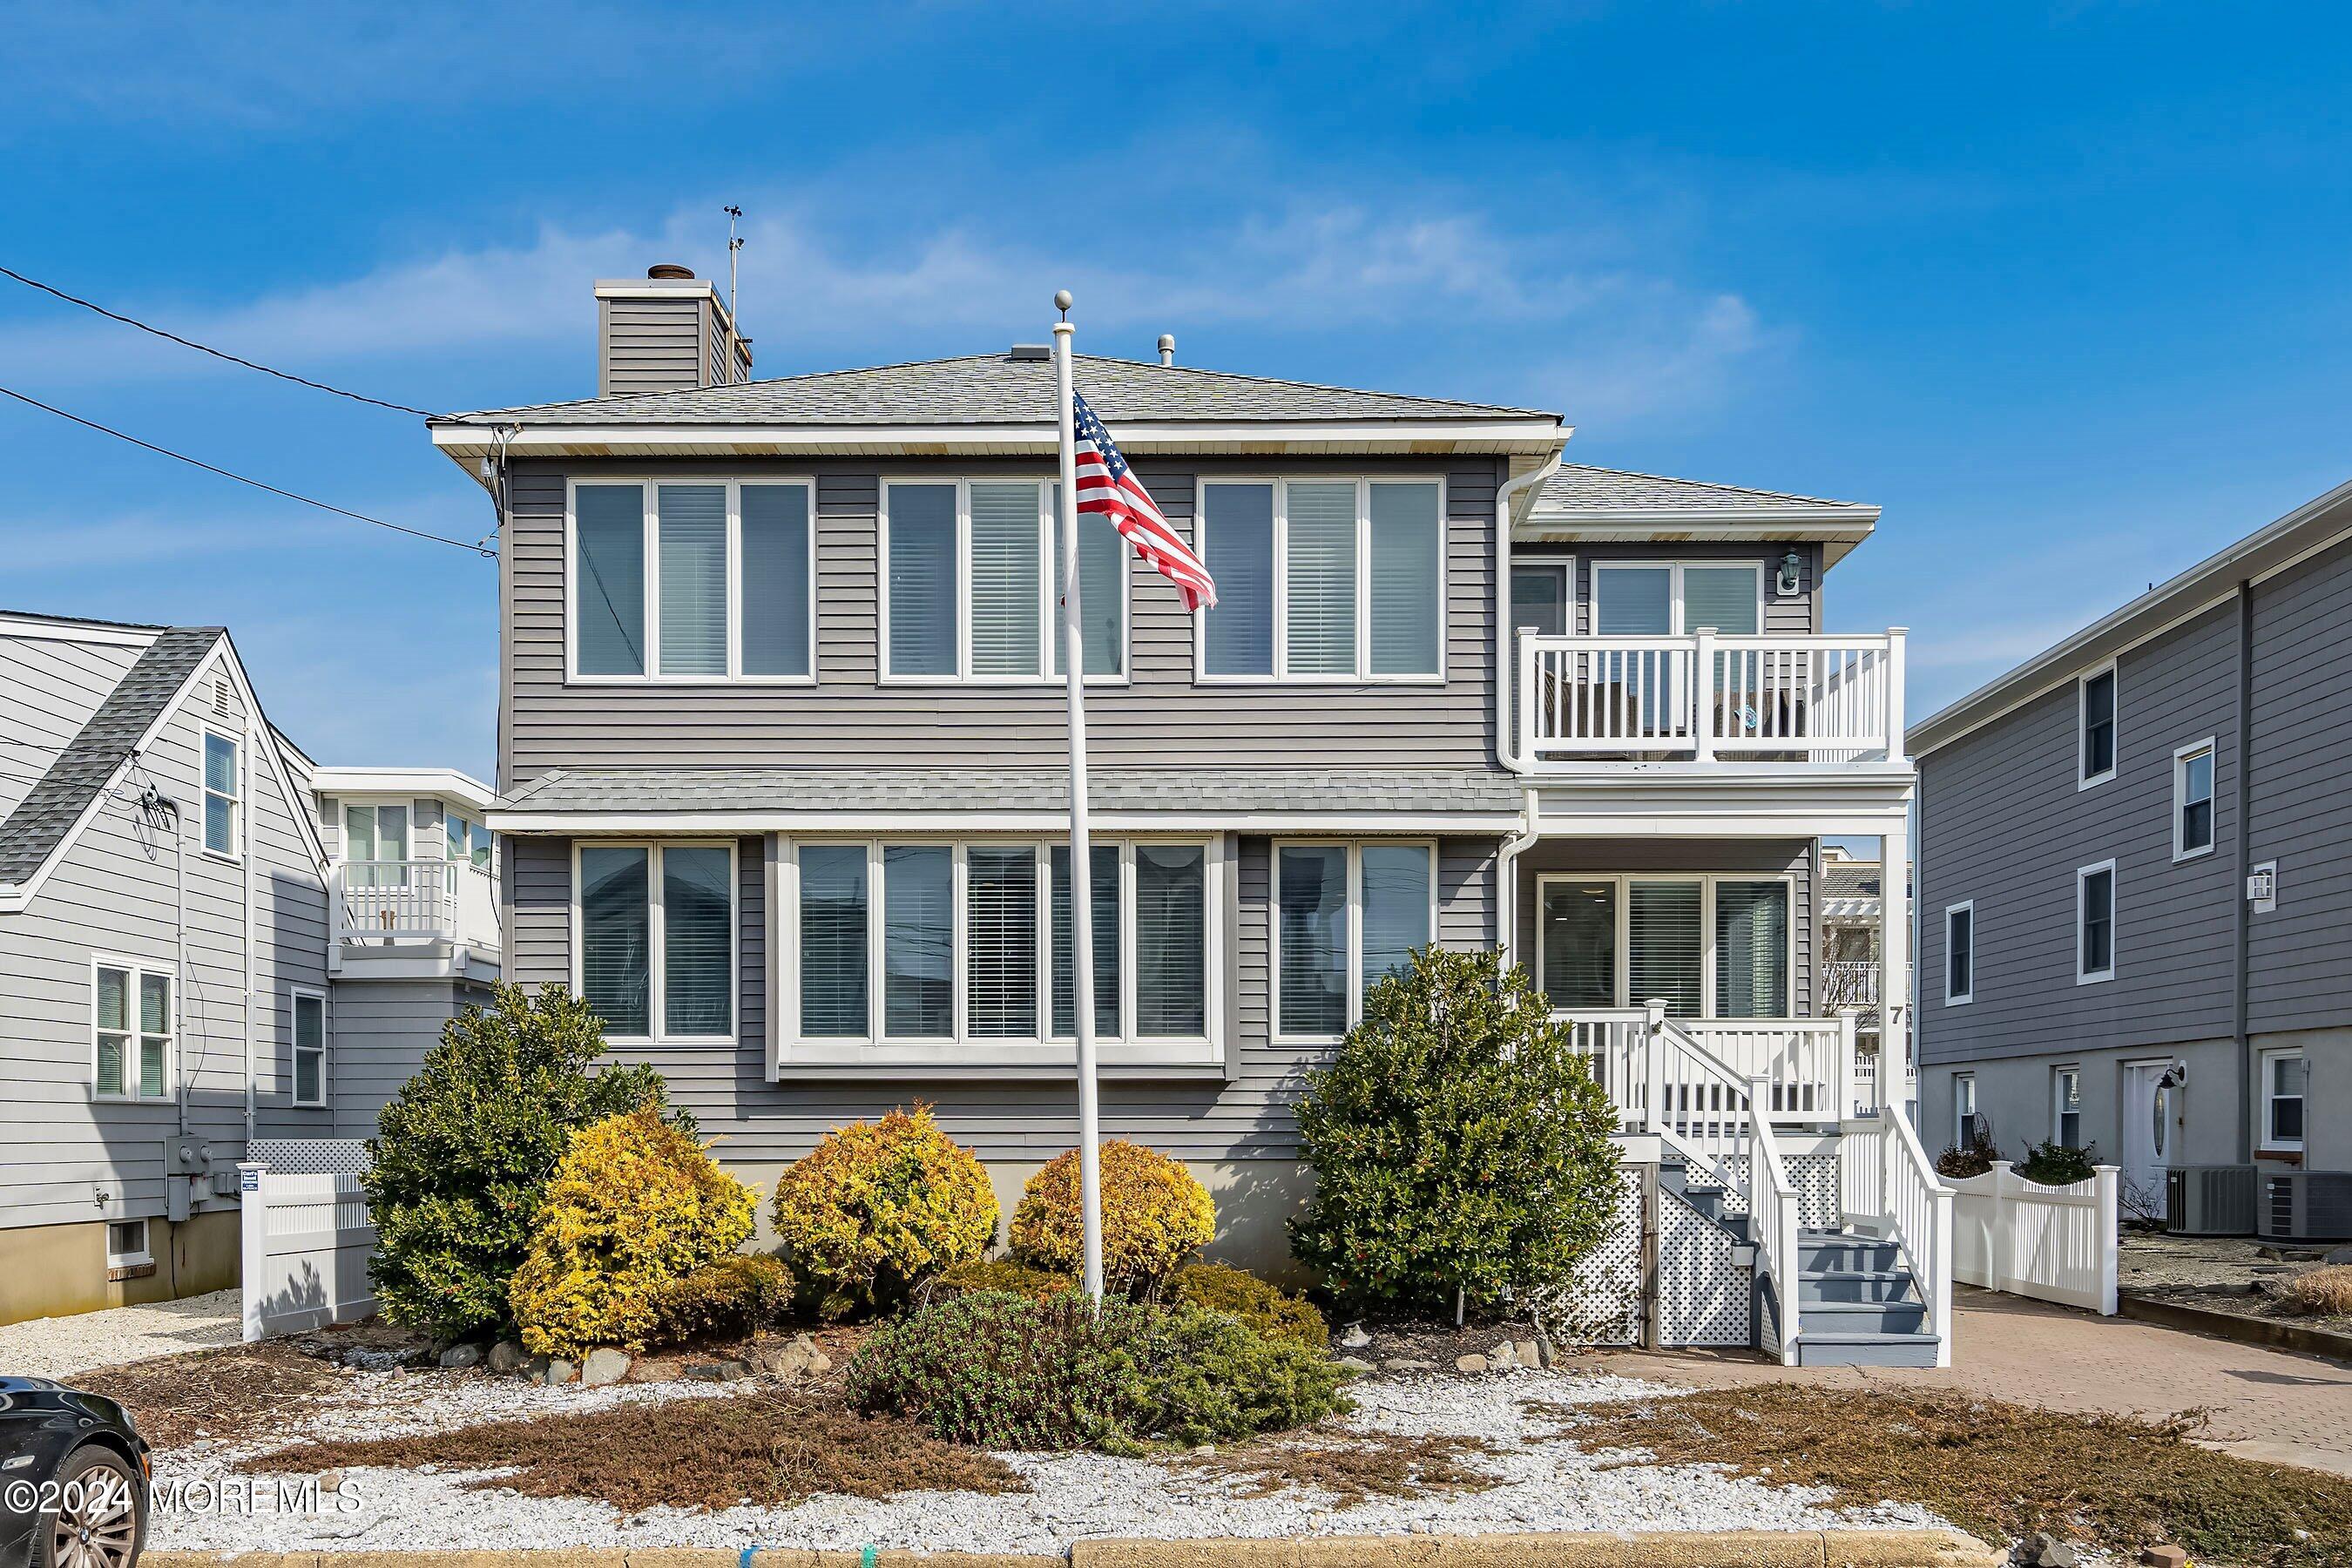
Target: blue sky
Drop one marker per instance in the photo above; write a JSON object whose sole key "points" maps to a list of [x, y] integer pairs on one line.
{"points": [[2061, 288]]}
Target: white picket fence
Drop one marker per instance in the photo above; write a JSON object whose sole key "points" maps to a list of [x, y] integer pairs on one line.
{"points": [[308, 1238], [2054, 1243]]}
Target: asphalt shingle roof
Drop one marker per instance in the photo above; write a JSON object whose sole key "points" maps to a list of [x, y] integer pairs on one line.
{"points": [[1578, 488], [1849, 880], [1429, 791], [54, 805], [994, 389]]}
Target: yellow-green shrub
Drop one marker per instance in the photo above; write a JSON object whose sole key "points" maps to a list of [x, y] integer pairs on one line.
{"points": [[635, 1205], [1273, 1311], [1154, 1215], [877, 1208], [1003, 1276]]}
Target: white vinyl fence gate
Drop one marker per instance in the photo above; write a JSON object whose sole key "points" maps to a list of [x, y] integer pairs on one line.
{"points": [[2054, 1243], [307, 1236]]}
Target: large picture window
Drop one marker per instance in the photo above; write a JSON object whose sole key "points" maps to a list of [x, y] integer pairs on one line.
{"points": [[1323, 579], [692, 580], [655, 948], [1345, 916], [1713, 946], [972, 584], [971, 945]]}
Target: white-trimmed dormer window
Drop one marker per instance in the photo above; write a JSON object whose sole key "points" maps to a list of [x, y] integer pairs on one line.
{"points": [[2096, 750], [223, 834]]}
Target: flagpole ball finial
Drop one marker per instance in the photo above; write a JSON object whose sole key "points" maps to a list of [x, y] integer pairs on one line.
{"points": [[1062, 300]]}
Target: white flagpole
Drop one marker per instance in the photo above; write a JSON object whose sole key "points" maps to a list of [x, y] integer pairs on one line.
{"points": [[1082, 880]]}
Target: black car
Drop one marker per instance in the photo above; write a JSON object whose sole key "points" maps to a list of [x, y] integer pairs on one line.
{"points": [[73, 1478]]}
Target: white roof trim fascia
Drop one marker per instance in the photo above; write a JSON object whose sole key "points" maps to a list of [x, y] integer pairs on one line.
{"points": [[1856, 518], [1465, 824], [2179, 598], [1410, 434], [452, 783], [42, 628]]}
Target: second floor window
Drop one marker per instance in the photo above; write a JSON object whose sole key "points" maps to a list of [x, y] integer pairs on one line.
{"points": [[2095, 917], [220, 795], [2098, 728], [2192, 800], [1323, 579], [693, 581], [971, 573]]}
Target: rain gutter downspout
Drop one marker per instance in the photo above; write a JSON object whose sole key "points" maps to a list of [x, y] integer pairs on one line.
{"points": [[1506, 879]]}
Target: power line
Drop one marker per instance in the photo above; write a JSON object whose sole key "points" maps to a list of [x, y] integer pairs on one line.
{"points": [[208, 349], [240, 478]]}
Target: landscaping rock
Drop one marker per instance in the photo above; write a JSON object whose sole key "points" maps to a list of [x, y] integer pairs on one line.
{"points": [[1527, 1353], [1354, 1363], [457, 1356], [603, 1365], [2337, 1255], [1505, 1354], [1355, 1339], [2164, 1556], [800, 1358], [331, 1481], [561, 1370], [1470, 1364], [1407, 1364], [716, 1371], [507, 1356], [2044, 1550]]}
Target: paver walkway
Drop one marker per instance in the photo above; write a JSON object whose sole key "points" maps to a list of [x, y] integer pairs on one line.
{"points": [[2266, 1403]]}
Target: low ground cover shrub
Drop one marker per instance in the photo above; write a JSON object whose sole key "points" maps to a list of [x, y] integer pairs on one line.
{"points": [[1273, 1312], [636, 1207], [878, 1207], [464, 1153], [2057, 1165], [731, 1299], [1003, 1370], [1155, 1215], [1003, 1274], [1458, 1141], [2323, 1292]]}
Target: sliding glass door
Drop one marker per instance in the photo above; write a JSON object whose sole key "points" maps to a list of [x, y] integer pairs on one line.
{"points": [[1707, 945]]}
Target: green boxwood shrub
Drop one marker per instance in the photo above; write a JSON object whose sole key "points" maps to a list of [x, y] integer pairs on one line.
{"points": [[464, 1152], [1001, 1371], [1458, 1141], [2057, 1165], [731, 1299], [1273, 1311]]}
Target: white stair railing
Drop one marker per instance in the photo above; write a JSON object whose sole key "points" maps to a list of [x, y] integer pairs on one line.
{"points": [[1719, 1121], [1888, 1186]]}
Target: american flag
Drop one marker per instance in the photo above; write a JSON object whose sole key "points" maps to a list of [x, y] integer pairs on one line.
{"points": [[1107, 485]]}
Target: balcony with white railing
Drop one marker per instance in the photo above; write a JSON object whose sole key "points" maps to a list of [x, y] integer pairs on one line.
{"points": [[1806, 1066], [1708, 699], [415, 904]]}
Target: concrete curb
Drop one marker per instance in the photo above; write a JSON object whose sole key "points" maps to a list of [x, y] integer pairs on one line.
{"points": [[1642, 1549], [2245, 1329]]}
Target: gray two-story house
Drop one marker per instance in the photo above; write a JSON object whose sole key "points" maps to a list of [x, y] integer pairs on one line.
{"points": [[2136, 892], [782, 757]]}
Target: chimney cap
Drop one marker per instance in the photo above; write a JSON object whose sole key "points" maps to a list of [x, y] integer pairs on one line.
{"points": [[668, 270], [1031, 352]]}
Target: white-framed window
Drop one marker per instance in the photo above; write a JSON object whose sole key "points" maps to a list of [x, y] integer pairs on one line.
{"points": [[306, 1012], [134, 1026], [928, 951], [971, 573], [2192, 800], [1966, 1123], [2096, 709], [1323, 579], [127, 1246], [466, 841], [375, 844], [2094, 922], [654, 937], [691, 580], [1712, 945], [2066, 1107], [1677, 598], [1960, 953], [2285, 1080], [1346, 914], [223, 796]]}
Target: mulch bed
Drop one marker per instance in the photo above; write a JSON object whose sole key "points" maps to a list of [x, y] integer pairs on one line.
{"points": [[1348, 1468], [1997, 1469], [765, 1448], [234, 1393]]}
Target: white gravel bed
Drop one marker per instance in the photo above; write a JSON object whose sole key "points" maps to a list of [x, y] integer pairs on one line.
{"points": [[1544, 1486], [61, 1347]]}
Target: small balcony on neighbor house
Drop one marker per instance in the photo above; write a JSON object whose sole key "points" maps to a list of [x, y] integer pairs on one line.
{"points": [[1708, 699], [412, 886]]}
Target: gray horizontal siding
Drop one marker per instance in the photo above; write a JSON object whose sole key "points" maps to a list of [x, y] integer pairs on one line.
{"points": [[730, 1092], [49, 690], [2003, 823], [648, 345], [380, 1031], [1161, 718]]}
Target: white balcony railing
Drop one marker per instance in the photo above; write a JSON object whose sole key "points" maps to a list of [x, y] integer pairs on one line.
{"points": [[398, 903], [1706, 697], [1807, 1064], [1855, 982]]}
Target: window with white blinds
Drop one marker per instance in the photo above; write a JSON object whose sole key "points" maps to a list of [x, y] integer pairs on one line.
{"points": [[1752, 949], [974, 942], [1665, 946], [655, 941], [691, 580], [1710, 945], [308, 1012], [134, 1027], [1323, 579], [974, 571], [1346, 916]]}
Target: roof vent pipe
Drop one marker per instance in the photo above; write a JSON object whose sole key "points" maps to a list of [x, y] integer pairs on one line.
{"points": [[1167, 348]]}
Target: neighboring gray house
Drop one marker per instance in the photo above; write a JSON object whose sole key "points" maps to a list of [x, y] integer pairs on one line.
{"points": [[183, 977], [781, 746], [2136, 891]]}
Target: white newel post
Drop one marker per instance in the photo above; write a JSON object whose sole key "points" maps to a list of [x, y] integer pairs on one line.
{"points": [[253, 1223], [1653, 1066], [2001, 1244], [1895, 638], [1894, 960], [2107, 1183]]}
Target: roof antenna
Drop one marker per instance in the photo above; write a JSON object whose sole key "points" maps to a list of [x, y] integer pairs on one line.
{"points": [[1167, 348], [734, 256]]}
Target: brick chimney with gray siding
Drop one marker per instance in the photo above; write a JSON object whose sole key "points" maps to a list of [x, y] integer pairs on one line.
{"points": [[669, 332]]}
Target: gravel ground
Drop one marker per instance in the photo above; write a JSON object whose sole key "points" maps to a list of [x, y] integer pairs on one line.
{"points": [[60, 1347], [1545, 1486]]}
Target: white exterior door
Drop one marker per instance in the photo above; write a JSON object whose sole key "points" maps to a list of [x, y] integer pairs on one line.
{"points": [[2148, 1136]]}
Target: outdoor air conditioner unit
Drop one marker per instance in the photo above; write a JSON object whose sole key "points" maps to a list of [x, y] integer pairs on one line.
{"points": [[2306, 1206], [2209, 1200]]}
